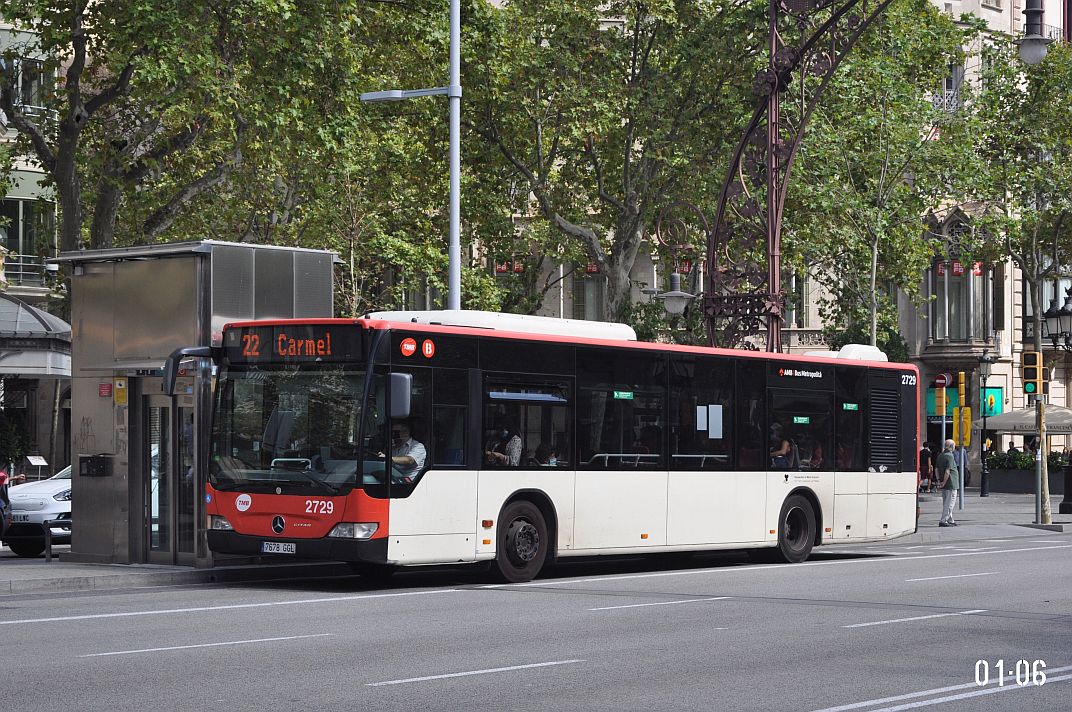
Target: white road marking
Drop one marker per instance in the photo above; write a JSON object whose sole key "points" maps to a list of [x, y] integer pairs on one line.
{"points": [[915, 618], [204, 645], [938, 691], [973, 548], [167, 611], [660, 603], [967, 695], [775, 567], [1048, 541], [472, 672], [935, 578]]}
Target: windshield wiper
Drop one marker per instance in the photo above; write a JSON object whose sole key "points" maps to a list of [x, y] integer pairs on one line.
{"points": [[308, 475]]}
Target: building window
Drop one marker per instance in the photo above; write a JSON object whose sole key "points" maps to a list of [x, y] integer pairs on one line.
{"points": [[32, 83], [27, 227], [588, 297], [960, 297], [1049, 296], [28, 231]]}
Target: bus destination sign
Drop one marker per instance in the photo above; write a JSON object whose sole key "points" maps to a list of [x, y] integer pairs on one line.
{"points": [[290, 343]]}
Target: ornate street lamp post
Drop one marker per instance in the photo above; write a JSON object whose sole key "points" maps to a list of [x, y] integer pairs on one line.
{"points": [[674, 236], [986, 363], [807, 41]]}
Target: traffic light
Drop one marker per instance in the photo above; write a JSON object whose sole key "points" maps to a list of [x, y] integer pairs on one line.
{"points": [[1044, 372], [1031, 370]]}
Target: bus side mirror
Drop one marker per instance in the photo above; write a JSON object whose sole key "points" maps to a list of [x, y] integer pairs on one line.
{"points": [[171, 366], [401, 390]]}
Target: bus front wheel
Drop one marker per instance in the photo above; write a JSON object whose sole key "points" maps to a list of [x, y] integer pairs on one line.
{"points": [[522, 542], [796, 529]]}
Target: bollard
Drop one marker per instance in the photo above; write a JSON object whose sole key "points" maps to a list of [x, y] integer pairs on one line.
{"points": [[48, 541], [1066, 504]]}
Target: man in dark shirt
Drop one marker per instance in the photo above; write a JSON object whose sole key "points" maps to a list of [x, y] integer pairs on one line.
{"points": [[926, 475]]}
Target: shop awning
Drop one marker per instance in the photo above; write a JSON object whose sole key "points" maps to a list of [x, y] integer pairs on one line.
{"points": [[1058, 421]]}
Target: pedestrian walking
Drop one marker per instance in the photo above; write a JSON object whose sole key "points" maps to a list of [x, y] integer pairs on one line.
{"points": [[926, 483], [948, 481]]}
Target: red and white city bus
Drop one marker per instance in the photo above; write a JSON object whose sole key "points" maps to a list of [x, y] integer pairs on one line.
{"points": [[534, 439]]}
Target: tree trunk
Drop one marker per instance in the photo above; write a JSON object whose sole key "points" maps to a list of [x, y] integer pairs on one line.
{"points": [[69, 189], [106, 208]]}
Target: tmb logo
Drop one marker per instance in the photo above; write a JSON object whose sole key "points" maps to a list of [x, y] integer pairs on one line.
{"points": [[408, 347], [243, 502]]}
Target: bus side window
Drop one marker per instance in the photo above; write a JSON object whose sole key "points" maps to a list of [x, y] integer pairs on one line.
{"points": [[621, 410], [701, 422]]}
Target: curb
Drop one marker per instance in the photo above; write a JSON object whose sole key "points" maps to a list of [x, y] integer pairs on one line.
{"points": [[1055, 527], [135, 579]]}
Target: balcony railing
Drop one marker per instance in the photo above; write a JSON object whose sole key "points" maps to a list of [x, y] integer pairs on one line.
{"points": [[25, 270]]}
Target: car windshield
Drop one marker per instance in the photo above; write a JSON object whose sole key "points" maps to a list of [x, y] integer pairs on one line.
{"points": [[293, 427], [64, 474]]}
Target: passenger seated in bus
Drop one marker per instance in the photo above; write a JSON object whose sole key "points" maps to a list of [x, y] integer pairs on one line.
{"points": [[545, 456], [650, 440], [783, 451], [504, 447], [407, 455], [815, 462]]}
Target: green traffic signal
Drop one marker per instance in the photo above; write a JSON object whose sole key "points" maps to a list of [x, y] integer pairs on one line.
{"points": [[1029, 387]]}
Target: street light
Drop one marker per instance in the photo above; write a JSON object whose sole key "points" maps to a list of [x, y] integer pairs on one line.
{"points": [[454, 96], [675, 300], [1059, 322], [1033, 45], [986, 363]]}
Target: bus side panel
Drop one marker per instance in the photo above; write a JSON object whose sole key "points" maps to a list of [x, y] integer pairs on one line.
{"points": [[437, 522], [715, 507], [850, 516], [891, 482], [620, 509], [890, 515], [495, 486]]}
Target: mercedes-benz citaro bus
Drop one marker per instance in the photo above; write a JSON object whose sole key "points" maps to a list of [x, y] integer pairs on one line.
{"points": [[434, 437]]}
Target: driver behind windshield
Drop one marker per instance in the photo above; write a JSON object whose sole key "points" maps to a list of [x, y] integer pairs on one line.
{"points": [[408, 454]]}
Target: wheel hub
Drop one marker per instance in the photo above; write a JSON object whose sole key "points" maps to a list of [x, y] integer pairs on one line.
{"points": [[524, 541]]}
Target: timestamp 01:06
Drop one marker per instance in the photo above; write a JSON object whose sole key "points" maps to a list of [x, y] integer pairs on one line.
{"points": [[1024, 672]]}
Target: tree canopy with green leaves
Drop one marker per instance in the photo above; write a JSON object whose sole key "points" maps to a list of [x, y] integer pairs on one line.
{"points": [[608, 111], [1025, 153], [885, 146]]}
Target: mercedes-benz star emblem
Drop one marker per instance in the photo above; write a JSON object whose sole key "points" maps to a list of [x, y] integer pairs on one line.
{"points": [[278, 524]]}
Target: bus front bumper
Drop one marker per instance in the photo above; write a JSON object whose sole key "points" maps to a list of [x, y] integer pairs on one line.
{"points": [[371, 550]]}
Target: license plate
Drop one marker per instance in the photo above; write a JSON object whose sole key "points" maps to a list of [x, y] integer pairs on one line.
{"points": [[278, 547], [20, 517]]}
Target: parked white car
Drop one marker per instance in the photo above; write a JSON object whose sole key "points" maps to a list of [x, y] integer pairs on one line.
{"points": [[33, 504]]}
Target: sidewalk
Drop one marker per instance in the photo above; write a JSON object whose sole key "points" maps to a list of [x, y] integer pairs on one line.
{"points": [[19, 576], [997, 516]]}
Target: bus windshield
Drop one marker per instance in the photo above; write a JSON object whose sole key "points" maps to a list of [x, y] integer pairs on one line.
{"points": [[294, 427]]}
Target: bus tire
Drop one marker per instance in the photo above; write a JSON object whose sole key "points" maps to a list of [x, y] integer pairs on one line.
{"points": [[796, 530], [522, 544]]}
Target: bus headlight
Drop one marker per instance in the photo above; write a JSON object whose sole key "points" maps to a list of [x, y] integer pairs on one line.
{"points": [[354, 530], [217, 522]]}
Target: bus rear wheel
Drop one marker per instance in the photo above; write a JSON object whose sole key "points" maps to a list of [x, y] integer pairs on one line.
{"points": [[522, 542], [796, 529]]}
